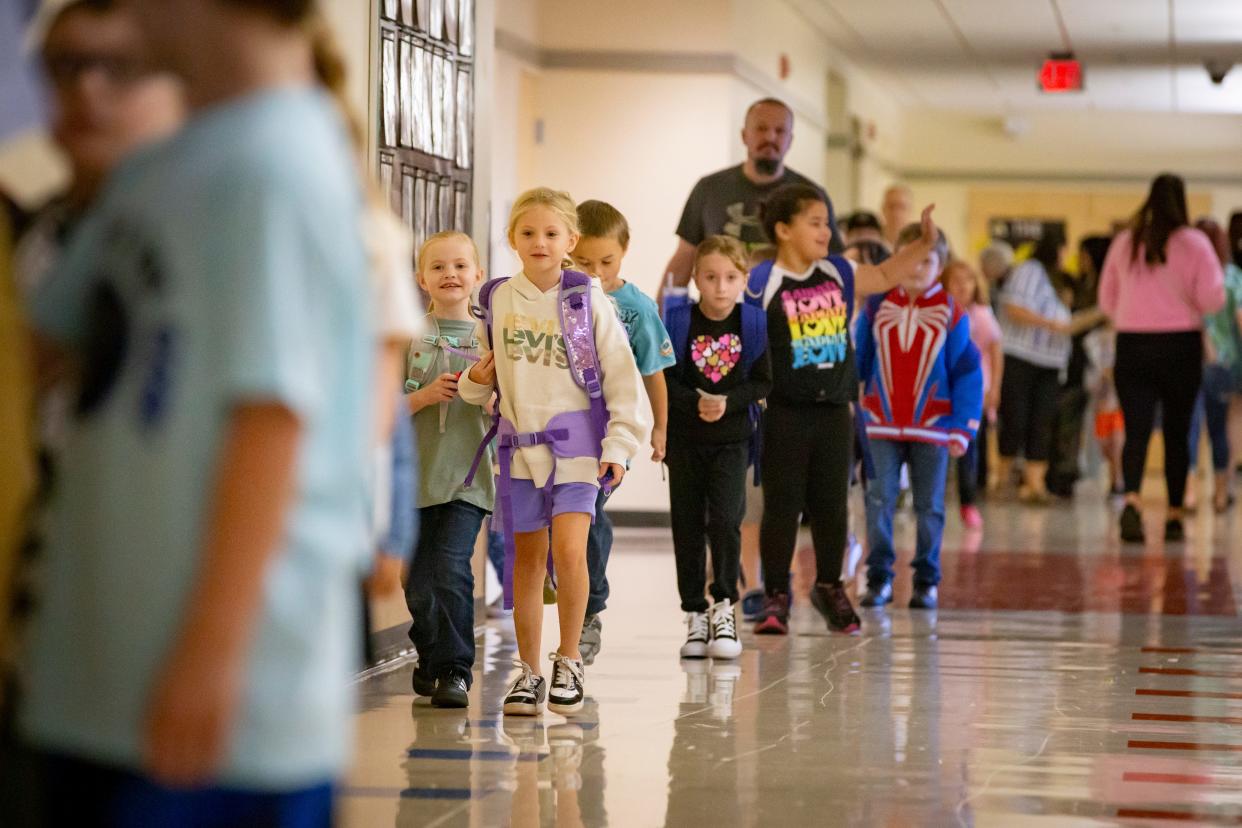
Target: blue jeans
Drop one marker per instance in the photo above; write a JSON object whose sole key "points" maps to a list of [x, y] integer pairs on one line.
{"points": [[82, 792], [928, 465], [440, 589], [1213, 406], [496, 549], [599, 547]]}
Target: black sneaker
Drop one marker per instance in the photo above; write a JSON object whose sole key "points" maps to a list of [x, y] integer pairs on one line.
{"points": [[835, 606], [452, 690], [1131, 524], [1174, 530], [591, 639], [924, 597], [527, 693], [567, 685], [424, 685], [877, 594]]}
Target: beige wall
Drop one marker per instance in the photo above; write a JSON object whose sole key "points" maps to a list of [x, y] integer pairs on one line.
{"points": [[641, 135]]}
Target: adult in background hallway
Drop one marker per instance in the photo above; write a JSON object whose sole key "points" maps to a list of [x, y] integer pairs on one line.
{"points": [[996, 262], [727, 202], [1160, 279], [1035, 326], [898, 211]]}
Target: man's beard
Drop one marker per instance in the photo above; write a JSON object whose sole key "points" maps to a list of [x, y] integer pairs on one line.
{"points": [[767, 166]]}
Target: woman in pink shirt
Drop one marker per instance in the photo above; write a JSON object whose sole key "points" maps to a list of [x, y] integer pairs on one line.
{"points": [[1161, 277]]}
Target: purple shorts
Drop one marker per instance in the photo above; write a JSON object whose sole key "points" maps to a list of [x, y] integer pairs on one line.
{"points": [[530, 511]]}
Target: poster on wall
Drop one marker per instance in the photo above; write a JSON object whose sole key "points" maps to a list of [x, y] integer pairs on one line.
{"points": [[465, 38], [389, 90], [1019, 232], [407, 96], [435, 25]]}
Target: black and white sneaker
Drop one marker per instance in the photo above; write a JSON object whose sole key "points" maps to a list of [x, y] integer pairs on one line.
{"points": [[566, 693], [528, 693], [724, 643], [698, 635]]}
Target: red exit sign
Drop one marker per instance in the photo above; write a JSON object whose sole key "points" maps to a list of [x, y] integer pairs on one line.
{"points": [[1061, 75]]}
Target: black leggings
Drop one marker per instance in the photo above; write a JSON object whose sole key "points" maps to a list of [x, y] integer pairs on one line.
{"points": [[1164, 368], [1027, 405], [707, 495], [807, 451]]}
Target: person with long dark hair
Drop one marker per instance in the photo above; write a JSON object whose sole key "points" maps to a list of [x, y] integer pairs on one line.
{"points": [[1035, 324], [1161, 277]]}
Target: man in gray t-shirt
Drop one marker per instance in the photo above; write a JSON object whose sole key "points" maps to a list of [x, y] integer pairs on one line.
{"points": [[727, 202]]}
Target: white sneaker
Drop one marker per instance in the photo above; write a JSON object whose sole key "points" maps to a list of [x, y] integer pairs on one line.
{"points": [[724, 643], [698, 635], [567, 691]]}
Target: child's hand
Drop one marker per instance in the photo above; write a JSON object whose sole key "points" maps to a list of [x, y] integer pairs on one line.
{"points": [[443, 389], [991, 401], [385, 579], [614, 472], [191, 713], [929, 235], [711, 410], [659, 442], [484, 371], [956, 449]]}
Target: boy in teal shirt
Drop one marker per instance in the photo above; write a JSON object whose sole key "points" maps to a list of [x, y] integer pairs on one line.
{"points": [[605, 239]]}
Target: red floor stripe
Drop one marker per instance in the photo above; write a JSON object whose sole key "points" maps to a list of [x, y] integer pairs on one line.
{"points": [[1176, 717], [1178, 816], [1187, 694], [1185, 671], [1141, 744], [1167, 778], [1190, 650]]}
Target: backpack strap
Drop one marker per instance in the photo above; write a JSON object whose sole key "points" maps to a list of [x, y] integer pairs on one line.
{"points": [[484, 312], [757, 285], [578, 330], [754, 334], [678, 326], [845, 268], [754, 344]]}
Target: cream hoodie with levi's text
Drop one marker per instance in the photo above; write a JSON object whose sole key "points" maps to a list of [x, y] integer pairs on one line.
{"points": [[532, 371]]}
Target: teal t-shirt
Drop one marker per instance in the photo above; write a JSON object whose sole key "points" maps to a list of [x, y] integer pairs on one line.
{"points": [[449, 434], [222, 267], [653, 350], [1222, 326]]}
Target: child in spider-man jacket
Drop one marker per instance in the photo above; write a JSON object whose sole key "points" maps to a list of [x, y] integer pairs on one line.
{"points": [[922, 399]]}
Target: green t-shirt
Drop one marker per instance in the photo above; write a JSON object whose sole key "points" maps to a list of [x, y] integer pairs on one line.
{"points": [[1222, 326], [449, 433]]}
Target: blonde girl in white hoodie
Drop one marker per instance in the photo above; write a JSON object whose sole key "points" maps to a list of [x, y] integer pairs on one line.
{"points": [[530, 367]]}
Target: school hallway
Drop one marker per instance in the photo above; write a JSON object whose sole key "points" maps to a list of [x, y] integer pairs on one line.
{"points": [[1064, 681]]}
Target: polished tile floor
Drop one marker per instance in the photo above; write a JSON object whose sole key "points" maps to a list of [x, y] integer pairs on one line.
{"points": [[1064, 681]]}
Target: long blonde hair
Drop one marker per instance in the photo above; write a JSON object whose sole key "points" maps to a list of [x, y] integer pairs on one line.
{"points": [[558, 201]]}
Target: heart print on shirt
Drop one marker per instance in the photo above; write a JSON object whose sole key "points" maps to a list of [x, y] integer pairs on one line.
{"points": [[716, 356]]}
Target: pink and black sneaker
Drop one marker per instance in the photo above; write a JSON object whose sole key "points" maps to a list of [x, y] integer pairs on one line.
{"points": [[774, 617]]}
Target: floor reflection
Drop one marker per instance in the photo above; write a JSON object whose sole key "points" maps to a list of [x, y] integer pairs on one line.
{"points": [[1064, 681]]}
